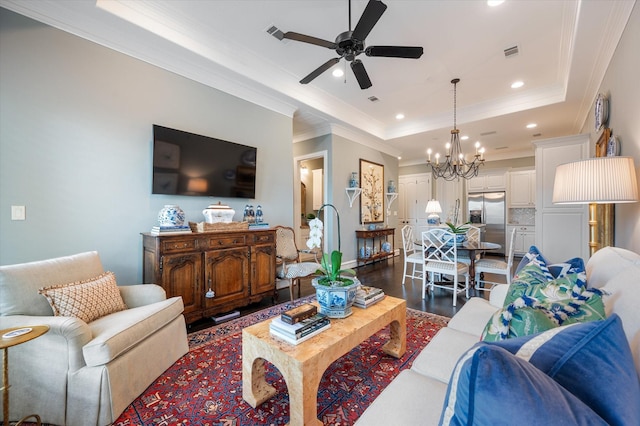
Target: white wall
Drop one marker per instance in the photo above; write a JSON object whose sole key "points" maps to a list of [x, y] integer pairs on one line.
{"points": [[621, 86], [76, 139]]}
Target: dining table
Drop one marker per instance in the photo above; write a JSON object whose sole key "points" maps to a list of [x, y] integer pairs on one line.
{"points": [[472, 247]]}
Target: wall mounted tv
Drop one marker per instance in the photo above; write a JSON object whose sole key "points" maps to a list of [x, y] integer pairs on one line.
{"points": [[189, 164]]}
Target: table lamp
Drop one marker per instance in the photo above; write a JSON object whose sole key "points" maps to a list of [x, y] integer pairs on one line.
{"points": [[433, 208], [602, 180]]}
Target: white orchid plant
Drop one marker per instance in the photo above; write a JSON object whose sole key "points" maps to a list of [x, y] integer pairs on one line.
{"points": [[330, 264]]}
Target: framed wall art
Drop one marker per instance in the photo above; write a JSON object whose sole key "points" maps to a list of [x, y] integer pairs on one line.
{"points": [[372, 196]]}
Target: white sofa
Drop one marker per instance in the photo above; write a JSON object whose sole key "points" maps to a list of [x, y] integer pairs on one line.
{"points": [[85, 373], [416, 395]]}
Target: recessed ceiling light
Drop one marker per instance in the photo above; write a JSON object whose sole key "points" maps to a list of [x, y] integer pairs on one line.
{"points": [[532, 126], [338, 72], [399, 158], [494, 3], [464, 138], [517, 84], [399, 116]]}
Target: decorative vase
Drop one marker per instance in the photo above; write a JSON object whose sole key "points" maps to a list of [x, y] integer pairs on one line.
{"points": [[353, 181], [391, 188], [171, 215], [336, 302], [218, 213]]}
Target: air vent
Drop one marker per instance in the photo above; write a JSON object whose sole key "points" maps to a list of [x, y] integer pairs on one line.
{"points": [[493, 132], [511, 51], [373, 99], [535, 135], [501, 147], [274, 31]]}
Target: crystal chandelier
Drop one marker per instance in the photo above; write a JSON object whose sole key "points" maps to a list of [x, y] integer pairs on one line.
{"points": [[455, 165]]}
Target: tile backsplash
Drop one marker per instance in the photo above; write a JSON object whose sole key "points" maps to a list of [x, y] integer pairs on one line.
{"points": [[522, 216]]}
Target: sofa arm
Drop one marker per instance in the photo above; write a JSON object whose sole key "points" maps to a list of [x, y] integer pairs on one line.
{"points": [[141, 294], [65, 338], [497, 295]]}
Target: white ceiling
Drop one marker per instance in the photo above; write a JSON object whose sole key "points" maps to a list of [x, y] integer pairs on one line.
{"points": [[564, 49]]}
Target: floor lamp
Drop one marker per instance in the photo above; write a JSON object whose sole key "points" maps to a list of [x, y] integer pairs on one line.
{"points": [[602, 180]]}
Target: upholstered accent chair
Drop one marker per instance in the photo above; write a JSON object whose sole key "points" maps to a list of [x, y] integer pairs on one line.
{"points": [[85, 373], [289, 266]]}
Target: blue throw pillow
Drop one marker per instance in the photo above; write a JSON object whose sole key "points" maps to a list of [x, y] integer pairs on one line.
{"points": [[591, 360], [490, 386], [556, 270]]}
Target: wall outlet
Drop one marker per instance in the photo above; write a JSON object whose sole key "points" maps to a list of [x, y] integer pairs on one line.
{"points": [[18, 213]]}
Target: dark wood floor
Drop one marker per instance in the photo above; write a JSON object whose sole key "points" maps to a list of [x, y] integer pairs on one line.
{"points": [[386, 274]]}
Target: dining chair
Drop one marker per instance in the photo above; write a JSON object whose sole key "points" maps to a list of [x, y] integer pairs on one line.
{"points": [[288, 263], [440, 256], [412, 255], [494, 266], [473, 235]]}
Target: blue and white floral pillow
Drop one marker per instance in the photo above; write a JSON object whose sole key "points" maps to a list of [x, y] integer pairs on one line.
{"points": [[555, 270], [535, 303]]}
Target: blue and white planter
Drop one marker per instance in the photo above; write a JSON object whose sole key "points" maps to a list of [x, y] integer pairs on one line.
{"points": [[336, 302]]}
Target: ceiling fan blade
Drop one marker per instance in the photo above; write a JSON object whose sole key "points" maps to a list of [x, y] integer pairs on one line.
{"points": [[361, 74], [394, 51], [308, 39], [322, 68], [368, 20]]}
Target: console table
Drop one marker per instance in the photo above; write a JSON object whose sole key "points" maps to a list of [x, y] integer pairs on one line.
{"points": [[214, 272], [374, 251]]}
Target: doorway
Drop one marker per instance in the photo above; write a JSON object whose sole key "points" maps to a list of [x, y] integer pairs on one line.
{"points": [[310, 179]]}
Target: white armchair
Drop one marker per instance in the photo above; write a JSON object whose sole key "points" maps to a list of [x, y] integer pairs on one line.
{"points": [[85, 373]]}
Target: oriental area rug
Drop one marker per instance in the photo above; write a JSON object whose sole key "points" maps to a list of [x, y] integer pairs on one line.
{"points": [[204, 387]]}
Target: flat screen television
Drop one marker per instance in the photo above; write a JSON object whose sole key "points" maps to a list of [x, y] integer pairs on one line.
{"points": [[189, 164]]}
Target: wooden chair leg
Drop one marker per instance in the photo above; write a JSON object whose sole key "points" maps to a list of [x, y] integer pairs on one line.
{"points": [[291, 289]]}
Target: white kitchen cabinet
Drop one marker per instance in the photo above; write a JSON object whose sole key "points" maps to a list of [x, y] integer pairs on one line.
{"points": [[524, 239], [451, 196], [522, 188], [488, 181], [562, 230], [414, 192]]}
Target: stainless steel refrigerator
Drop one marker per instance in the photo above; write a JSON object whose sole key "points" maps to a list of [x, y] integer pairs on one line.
{"points": [[489, 208]]}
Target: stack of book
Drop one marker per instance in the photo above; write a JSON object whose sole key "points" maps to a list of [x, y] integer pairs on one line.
{"points": [[367, 296], [170, 230], [261, 225], [299, 324]]}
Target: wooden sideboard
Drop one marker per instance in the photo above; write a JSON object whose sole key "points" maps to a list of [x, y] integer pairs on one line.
{"points": [[239, 267], [370, 244]]}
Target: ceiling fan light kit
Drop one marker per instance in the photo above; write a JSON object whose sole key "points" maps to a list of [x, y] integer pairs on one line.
{"points": [[350, 44], [455, 165]]}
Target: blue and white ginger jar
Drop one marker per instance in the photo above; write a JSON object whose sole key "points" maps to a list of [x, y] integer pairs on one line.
{"points": [[171, 215]]}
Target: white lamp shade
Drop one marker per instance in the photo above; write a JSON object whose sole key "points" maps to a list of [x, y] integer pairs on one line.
{"points": [[433, 206], [596, 180]]}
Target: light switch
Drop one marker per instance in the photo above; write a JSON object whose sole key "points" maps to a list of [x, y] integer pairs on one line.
{"points": [[18, 213]]}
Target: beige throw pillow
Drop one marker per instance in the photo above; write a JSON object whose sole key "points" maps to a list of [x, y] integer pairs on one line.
{"points": [[88, 300]]}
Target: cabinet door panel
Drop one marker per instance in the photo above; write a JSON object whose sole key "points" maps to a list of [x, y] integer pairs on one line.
{"points": [[263, 269], [182, 276], [227, 274]]}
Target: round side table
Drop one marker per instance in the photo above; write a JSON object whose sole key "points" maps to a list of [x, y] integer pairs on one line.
{"points": [[5, 343]]}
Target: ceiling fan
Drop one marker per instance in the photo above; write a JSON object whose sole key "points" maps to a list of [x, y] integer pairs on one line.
{"points": [[350, 44]]}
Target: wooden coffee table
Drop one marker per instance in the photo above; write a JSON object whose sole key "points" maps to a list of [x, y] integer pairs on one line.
{"points": [[303, 365]]}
